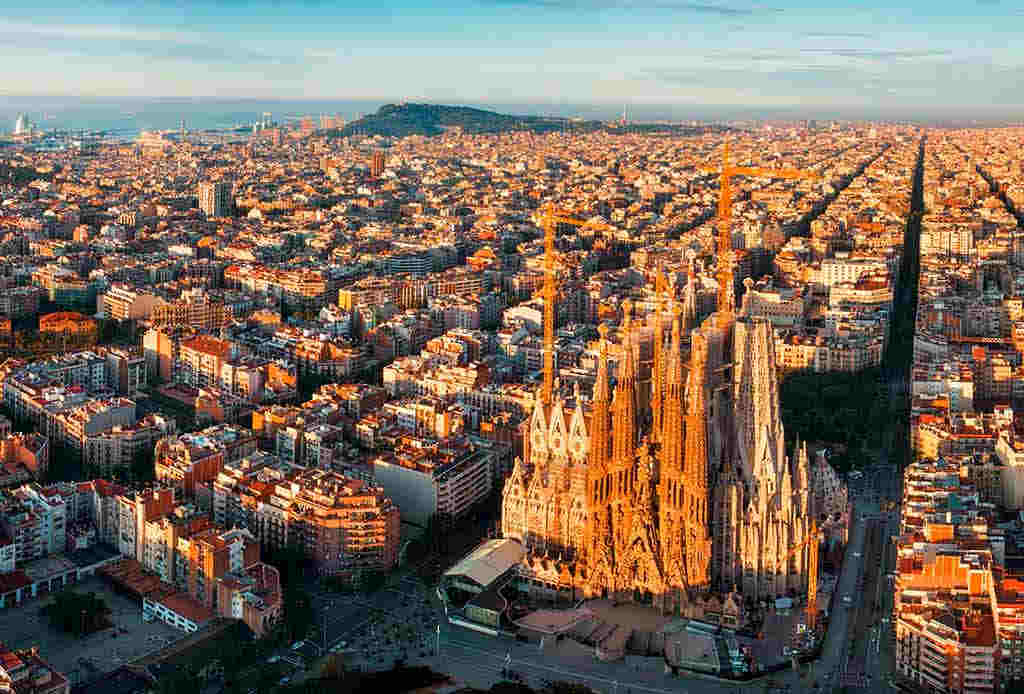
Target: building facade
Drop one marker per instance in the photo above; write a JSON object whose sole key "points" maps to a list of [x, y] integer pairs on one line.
{"points": [[668, 497]]}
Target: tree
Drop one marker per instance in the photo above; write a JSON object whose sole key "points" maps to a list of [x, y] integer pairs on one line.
{"points": [[142, 466], [78, 613], [176, 681]]}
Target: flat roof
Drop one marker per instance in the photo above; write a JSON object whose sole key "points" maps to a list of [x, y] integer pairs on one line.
{"points": [[489, 560]]}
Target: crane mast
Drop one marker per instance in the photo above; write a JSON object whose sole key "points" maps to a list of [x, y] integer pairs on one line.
{"points": [[549, 220], [726, 302]]}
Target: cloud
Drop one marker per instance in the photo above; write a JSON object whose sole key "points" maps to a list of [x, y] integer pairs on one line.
{"points": [[837, 35], [877, 53], [706, 8], [93, 32], [124, 41]]}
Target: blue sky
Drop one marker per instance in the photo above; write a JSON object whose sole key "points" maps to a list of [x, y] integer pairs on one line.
{"points": [[923, 55]]}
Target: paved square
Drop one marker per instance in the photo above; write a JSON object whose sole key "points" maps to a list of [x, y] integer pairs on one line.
{"points": [[23, 627]]}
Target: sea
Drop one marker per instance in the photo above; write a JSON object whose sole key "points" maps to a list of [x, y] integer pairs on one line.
{"points": [[125, 117]]}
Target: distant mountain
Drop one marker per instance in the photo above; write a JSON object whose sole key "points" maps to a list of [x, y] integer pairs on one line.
{"points": [[400, 120]]}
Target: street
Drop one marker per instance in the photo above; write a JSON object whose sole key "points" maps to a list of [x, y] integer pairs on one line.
{"points": [[404, 621]]}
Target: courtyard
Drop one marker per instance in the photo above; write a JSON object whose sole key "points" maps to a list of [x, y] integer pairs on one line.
{"points": [[82, 659]]}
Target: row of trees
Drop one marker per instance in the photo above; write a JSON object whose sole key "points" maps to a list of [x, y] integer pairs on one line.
{"points": [[848, 410]]}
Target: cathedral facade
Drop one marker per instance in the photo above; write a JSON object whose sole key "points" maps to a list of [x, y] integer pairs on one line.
{"points": [[679, 498]]}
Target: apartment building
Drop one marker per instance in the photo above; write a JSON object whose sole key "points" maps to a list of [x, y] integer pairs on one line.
{"points": [[16, 302], [945, 610], [162, 350], [117, 449], [72, 426], [23, 671], [121, 302], [126, 370], [194, 309], [215, 198], [186, 460], [204, 569], [342, 524], [200, 360], [443, 478], [36, 518], [134, 511], [32, 390]]}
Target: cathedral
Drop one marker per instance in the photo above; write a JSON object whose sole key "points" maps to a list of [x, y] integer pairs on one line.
{"points": [[674, 488]]}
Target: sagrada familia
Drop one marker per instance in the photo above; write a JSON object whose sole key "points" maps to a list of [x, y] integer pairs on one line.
{"points": [[673, 489]]}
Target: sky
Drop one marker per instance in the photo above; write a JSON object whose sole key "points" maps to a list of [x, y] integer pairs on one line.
{"points": [[930, 56]]}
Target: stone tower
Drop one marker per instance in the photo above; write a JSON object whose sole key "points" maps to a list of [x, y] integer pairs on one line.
{"points": [[664, 504]]}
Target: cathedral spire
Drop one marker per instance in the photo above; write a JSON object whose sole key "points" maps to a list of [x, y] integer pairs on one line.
{"points": [[624, 406], [690, 293], [658, 364], [549, 294], [672, 419], [600, 429], [696, 417]]}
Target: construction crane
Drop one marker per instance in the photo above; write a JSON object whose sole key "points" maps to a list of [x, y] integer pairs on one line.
{"points": [[551, 218], [727, 171], [811, 543]]}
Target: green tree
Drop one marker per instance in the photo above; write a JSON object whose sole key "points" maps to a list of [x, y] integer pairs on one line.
{"points": [[77, 613]]}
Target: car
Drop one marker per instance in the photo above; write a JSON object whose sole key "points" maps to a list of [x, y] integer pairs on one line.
{"points": [[857, 555], [273, 659], [297, 645], [285, 680]]}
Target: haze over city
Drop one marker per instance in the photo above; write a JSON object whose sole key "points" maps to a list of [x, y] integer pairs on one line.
{"points": [[511, 347], [872, 58]]}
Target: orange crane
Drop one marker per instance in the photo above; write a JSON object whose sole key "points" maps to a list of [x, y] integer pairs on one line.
{"points": [[550, 218], [725, 272], [811, 543]]}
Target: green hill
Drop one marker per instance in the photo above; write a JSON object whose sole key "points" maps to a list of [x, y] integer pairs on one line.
{"points": [[400, 120]]}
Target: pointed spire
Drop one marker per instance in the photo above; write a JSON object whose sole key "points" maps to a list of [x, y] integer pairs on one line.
{"points": [[696, 418], [624, 406], [549, 293], [690, 294], [672, 420], [658, 364], [602, 392], [600, 426]]}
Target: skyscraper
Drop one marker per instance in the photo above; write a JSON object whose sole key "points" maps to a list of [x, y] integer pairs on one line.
{"points": [[215, 198]]}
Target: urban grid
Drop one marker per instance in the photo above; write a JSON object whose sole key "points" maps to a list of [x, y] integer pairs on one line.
{"points": [[441, 399]]}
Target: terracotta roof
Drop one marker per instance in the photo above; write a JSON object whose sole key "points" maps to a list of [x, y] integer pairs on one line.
{"points": [[185, 606]]}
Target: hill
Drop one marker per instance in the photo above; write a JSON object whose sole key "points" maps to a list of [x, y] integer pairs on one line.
{"points": [[400, 120]]}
